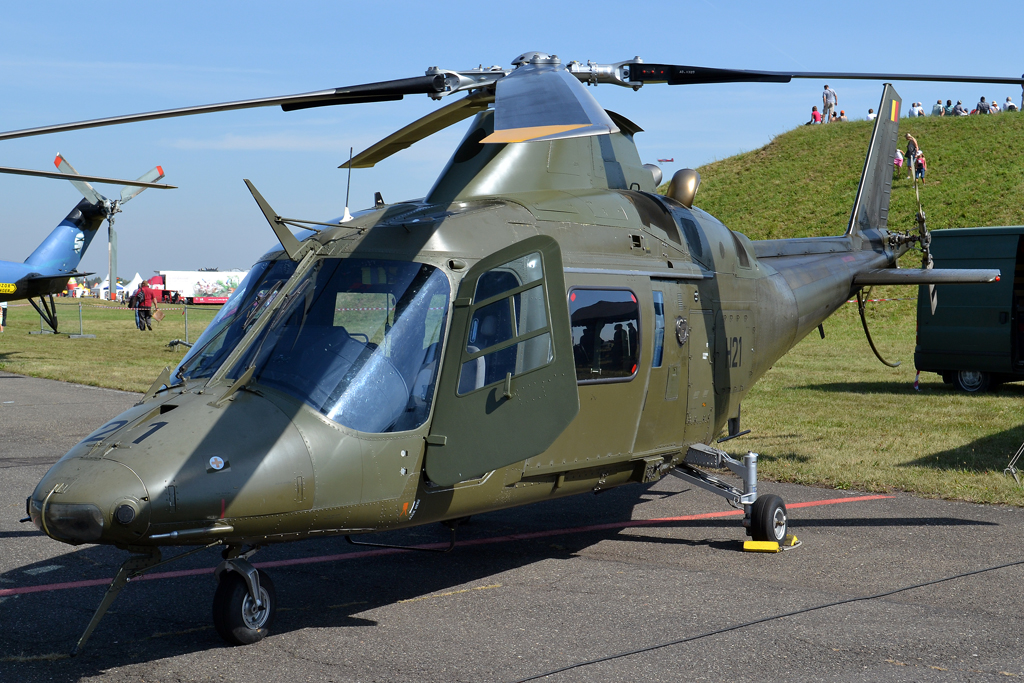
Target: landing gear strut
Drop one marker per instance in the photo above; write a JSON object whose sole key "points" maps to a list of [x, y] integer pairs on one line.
{"points": [[765, 518], [245, 602]]}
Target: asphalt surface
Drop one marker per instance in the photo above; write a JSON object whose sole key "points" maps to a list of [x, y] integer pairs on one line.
{"points": [[531, 590]]}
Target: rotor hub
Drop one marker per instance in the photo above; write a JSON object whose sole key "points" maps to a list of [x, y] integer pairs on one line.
{"points": [[535, 58]]}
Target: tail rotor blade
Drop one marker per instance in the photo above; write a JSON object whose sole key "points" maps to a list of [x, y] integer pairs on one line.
{"points": [[87, 190], [151, 176]]}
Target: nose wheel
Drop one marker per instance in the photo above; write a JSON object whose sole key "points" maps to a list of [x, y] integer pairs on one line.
{"points": [[244, 604]]}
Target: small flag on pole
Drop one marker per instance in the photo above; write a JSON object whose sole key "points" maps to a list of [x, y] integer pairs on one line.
{"points": [[917, 381]]}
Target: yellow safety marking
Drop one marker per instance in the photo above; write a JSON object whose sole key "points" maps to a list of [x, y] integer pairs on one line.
{"points": [[761, 547], [444, 595], [7, 288], [528, 133]]}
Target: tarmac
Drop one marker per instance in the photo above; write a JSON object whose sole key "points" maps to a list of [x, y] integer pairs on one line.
{"points": [[640, 583]]}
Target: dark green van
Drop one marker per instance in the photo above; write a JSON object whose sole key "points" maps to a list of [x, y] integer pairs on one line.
{"points": [[975, 340]]}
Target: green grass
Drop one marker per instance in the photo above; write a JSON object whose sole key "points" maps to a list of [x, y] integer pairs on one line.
{"points": [[829, 414], [121, 357]]}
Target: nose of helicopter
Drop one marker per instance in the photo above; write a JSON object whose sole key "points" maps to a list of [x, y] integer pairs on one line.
{"points": [[184, 461], [91, 500]]}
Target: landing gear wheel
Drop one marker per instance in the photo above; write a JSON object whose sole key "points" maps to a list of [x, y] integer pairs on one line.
{"points": [[973, 381], [235, 615], [768, 519]]}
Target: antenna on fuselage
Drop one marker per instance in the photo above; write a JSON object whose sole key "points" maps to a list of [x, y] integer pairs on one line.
{"points": [[348, 187]]}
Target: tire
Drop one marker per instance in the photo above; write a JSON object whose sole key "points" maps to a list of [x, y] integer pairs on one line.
{"points": [[972, 381], [768, 519], [232, 609]]}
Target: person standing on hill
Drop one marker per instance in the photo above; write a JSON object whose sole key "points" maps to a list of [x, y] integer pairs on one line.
{"points": [[3, 315], [937, 109], [829, 100], [147, 304], [912, 148], [920, 166]]}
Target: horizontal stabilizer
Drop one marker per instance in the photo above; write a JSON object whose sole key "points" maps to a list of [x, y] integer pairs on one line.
{"points": [[917, 276], [41, 278]]}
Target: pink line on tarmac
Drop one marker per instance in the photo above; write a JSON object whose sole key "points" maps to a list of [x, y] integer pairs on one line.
{"points": [[427, 546]]}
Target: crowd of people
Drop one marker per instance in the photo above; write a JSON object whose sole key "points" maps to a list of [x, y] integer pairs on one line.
{"points": [[830, 102], [949, 109]]}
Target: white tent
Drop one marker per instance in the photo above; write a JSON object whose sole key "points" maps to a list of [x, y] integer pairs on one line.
{"points": [[101, 289], [133, 285]]}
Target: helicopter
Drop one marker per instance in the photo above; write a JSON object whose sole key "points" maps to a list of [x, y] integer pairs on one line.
{"points": [[542, 323], [47, 270]]}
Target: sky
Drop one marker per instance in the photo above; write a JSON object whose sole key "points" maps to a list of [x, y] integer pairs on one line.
{"points": [[67, 61]]}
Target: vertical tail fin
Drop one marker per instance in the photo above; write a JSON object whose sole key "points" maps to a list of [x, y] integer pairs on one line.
{"points": [[871, 208]]}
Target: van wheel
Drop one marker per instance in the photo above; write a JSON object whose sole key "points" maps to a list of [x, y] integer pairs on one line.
{"points": [[973, 381]]}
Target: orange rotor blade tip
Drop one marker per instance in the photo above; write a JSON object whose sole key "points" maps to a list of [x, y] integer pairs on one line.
{"points": [[160, 170], [56, 161]]}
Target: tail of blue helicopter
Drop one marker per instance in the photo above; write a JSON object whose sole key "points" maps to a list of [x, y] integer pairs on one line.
{"points": [[47, 269]]}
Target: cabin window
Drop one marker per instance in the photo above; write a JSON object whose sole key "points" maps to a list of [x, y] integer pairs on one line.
{"points": [[659, 328], [605, 334], [509, 330]]}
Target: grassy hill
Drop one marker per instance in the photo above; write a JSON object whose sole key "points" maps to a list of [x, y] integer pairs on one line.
{"points": [[803, 182], [828, 413]]}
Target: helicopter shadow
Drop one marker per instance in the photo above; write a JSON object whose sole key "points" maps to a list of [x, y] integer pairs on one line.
{"points": [[990, 453], [159, 619], [863, 388]]}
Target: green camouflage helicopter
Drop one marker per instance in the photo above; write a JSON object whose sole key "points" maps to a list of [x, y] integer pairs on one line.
{"points": [[540, 324]]}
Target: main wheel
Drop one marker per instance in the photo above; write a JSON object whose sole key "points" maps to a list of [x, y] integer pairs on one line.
{"points": [[235, 615], [768, 520], [973, 381]]}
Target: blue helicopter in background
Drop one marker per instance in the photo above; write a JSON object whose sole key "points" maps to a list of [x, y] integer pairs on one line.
{"points": [[47, 270]]}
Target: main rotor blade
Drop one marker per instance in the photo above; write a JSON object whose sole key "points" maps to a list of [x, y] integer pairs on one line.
{"points": [[433, 122], [93, 178], [367, 92], [675, 74], [545, 102]]}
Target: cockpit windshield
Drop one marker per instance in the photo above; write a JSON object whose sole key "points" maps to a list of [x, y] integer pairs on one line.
{"points": [[253, 296], [358, 340]]}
